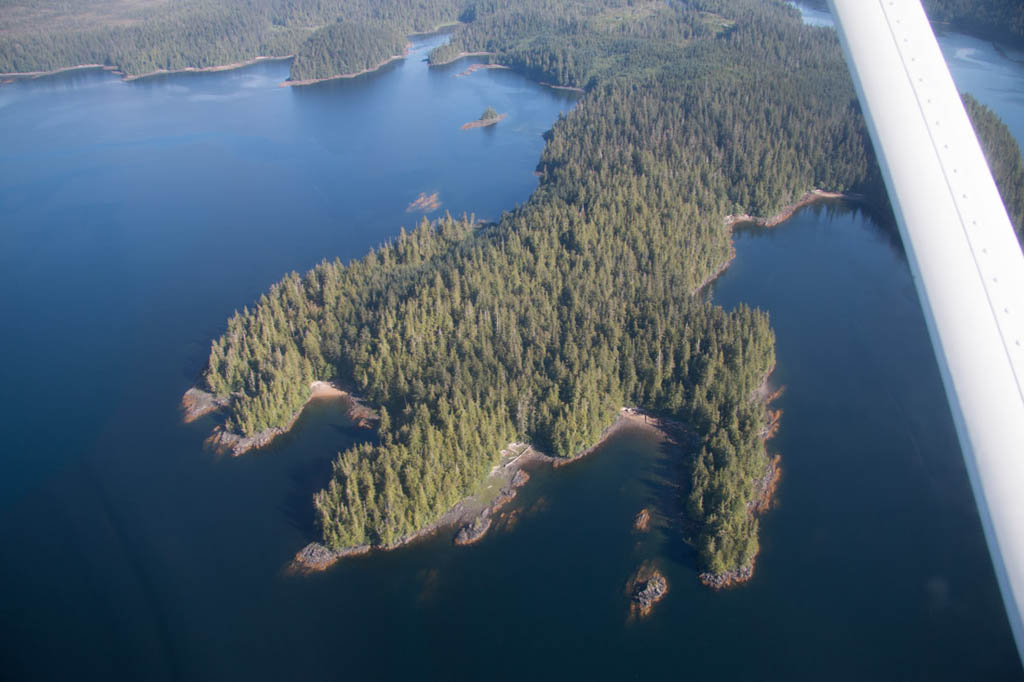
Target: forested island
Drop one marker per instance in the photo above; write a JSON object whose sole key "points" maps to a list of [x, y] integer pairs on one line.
{"points": [[488, 118], [540, 327]]}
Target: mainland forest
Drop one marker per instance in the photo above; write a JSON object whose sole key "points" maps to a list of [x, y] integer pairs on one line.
{"points": [[565, 41]]}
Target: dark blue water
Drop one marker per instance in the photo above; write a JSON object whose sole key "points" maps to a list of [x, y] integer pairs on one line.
{"points": [[135, 217], [876, 542]]}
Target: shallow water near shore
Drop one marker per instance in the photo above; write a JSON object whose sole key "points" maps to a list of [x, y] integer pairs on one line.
{"points": [[137, 216]]}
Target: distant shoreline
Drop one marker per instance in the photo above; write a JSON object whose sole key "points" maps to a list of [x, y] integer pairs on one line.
{"points": [[12, 77], [31, 75], [204, 69], [28, 75]]}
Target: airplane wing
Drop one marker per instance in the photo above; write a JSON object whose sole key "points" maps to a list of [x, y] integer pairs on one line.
{"points": [[964, 257]]}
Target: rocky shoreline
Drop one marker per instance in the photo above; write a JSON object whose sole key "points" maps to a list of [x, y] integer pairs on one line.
{"points": [[764, 495], [6, 78], [474, 516], [720, 581], [198, 403], [476, 529], [14, 76], [766, 486], [316, 557], [483, 123]]}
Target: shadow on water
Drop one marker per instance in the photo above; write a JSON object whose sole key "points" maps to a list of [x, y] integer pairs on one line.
{"points": [[667, 485], [305, 479], [320, 434]]}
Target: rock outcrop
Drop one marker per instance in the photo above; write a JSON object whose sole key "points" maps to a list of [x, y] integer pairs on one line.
{"points": [[642, 521], [650, 593], [646, 588], [197, 403], [317, 557], [719, 581]]}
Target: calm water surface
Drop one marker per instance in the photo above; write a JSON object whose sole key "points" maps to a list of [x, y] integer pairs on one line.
{"points": [[135, 217]]}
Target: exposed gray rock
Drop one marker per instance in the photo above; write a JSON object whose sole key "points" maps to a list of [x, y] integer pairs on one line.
{"points": [[469, 534], [648, 593], [719, 580], [197, 403]]}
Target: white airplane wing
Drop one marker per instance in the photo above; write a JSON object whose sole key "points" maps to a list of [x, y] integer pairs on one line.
{"points": [[964, 257]]}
